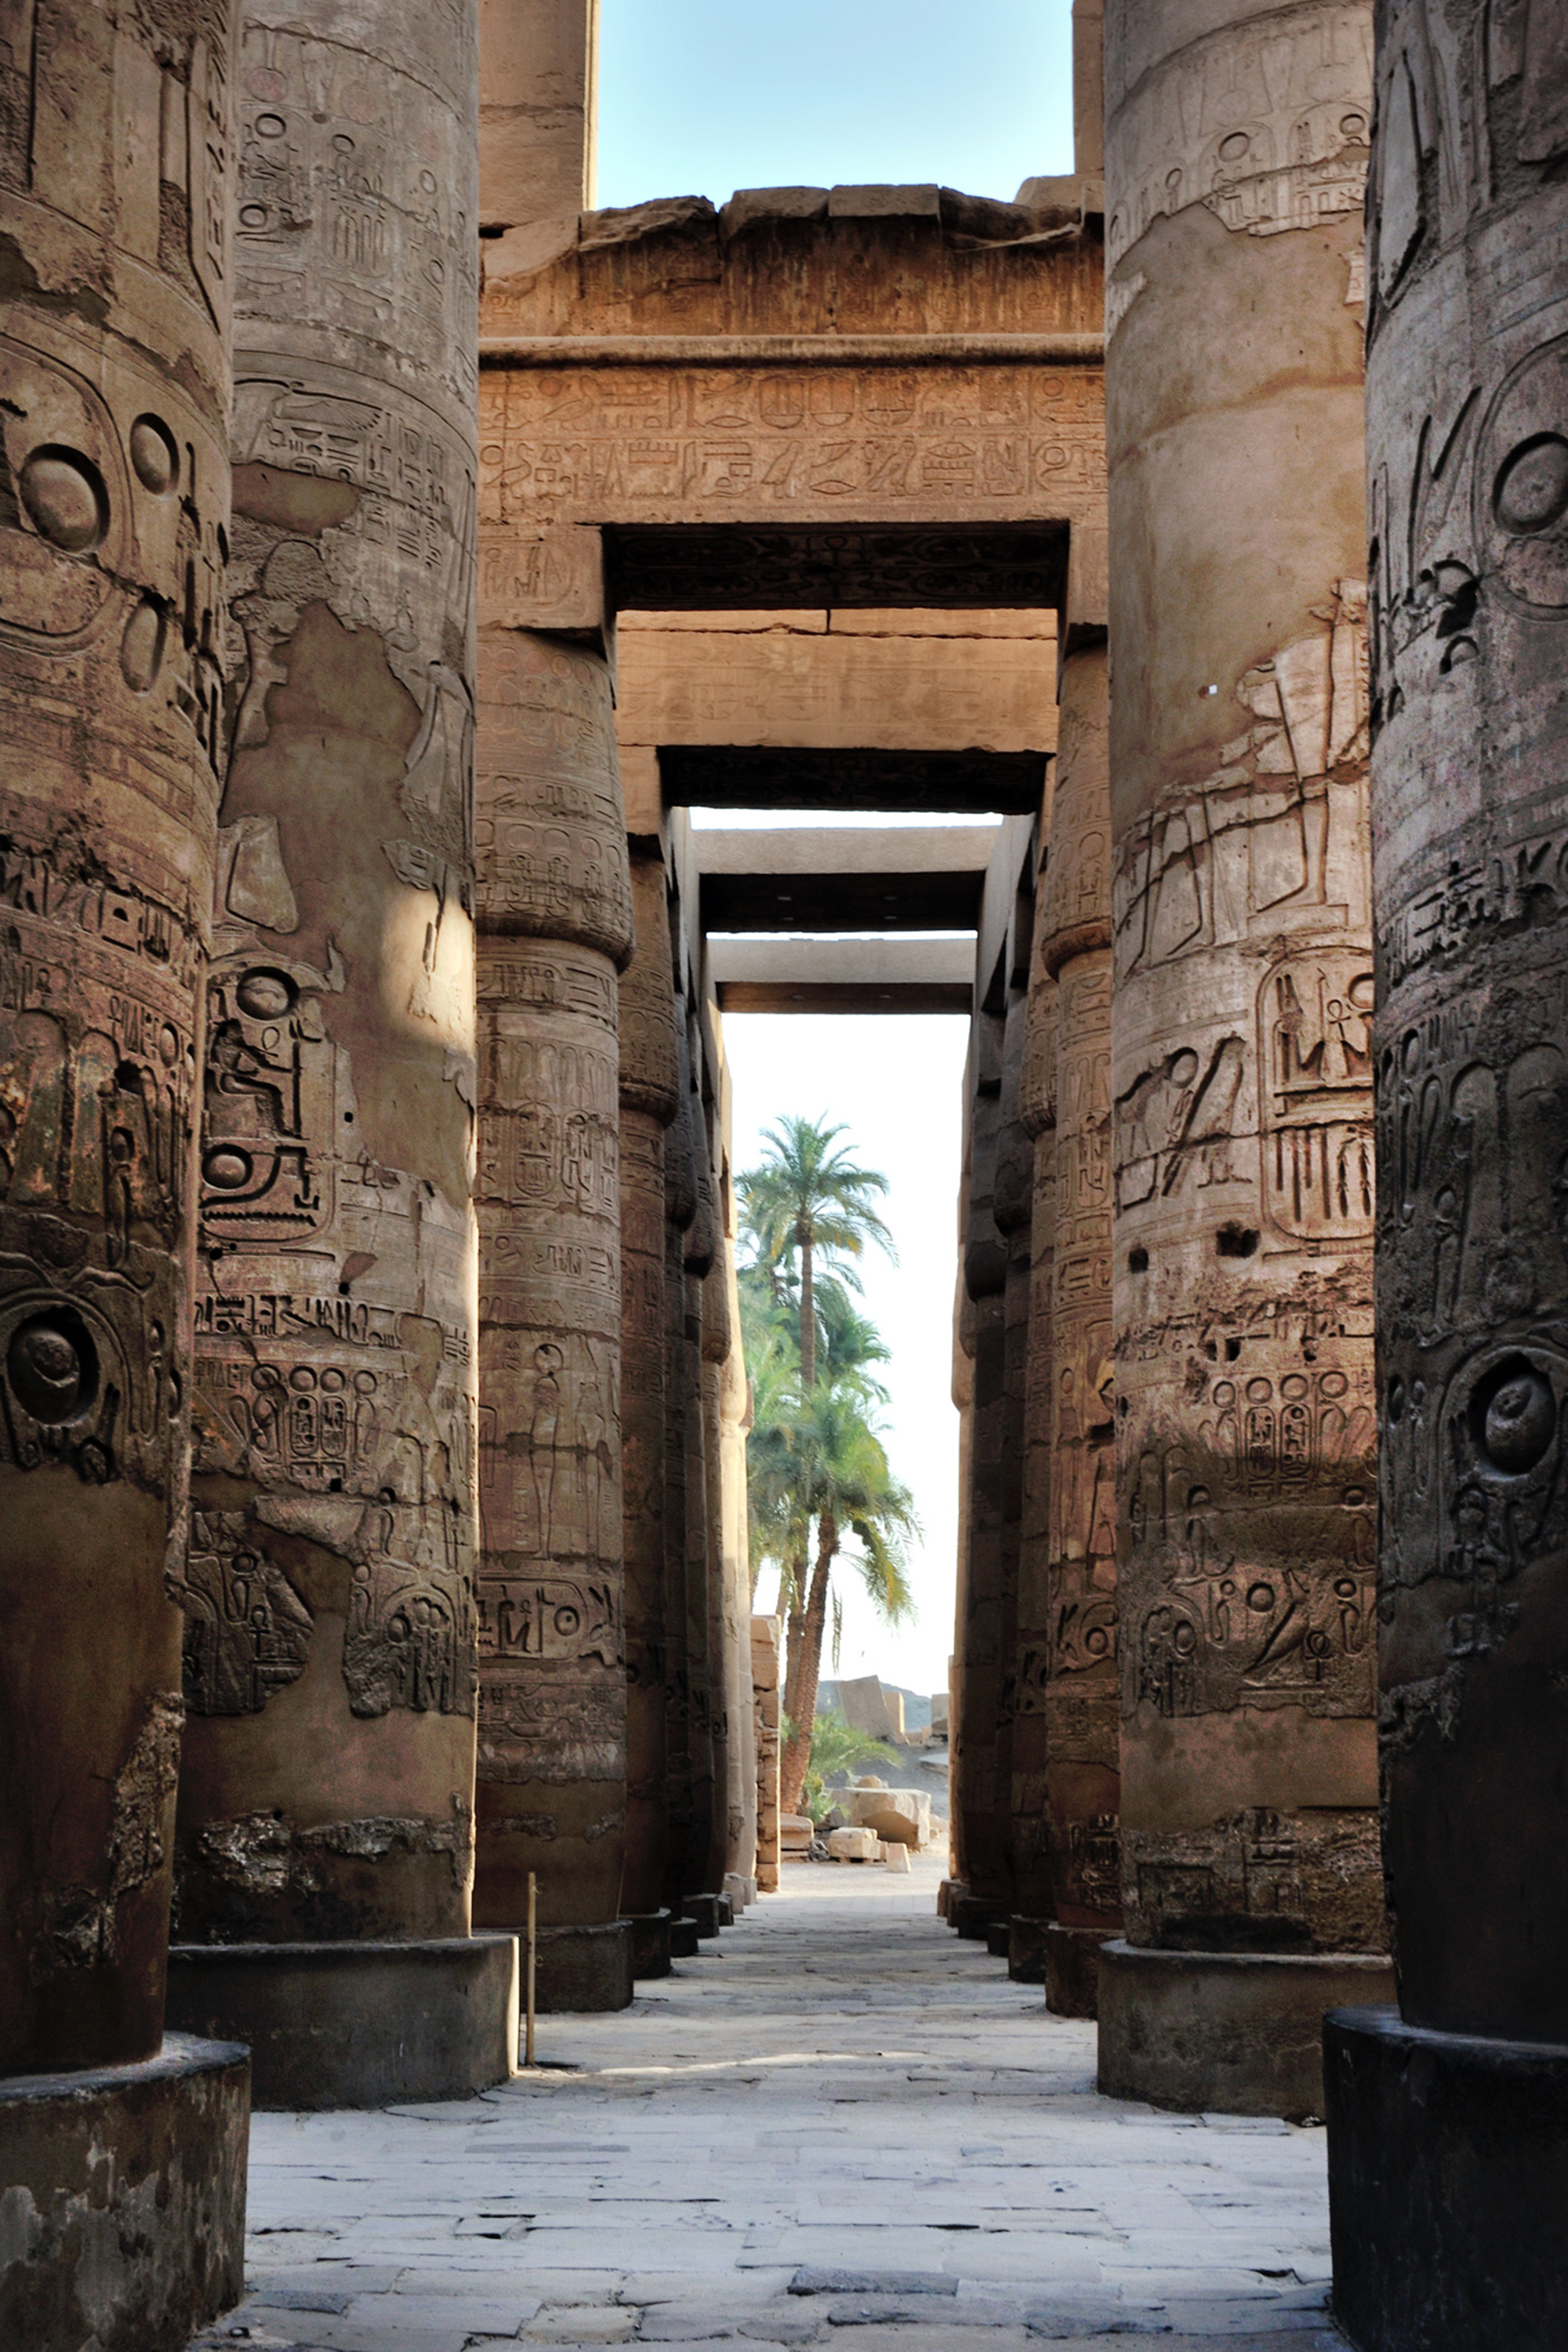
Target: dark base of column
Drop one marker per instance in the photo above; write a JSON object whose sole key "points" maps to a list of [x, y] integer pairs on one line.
{"points": [[706, 1910], [1072, 1969], [356, 2025], [973, 1915], [1027, 1949], [127, 2194], [1448, 2187], [1237, 2033], [650, 1943], [583, 1967], [683, 1939], [944, 1895]]}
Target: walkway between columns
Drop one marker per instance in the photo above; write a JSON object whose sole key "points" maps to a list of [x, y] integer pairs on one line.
{"points": [[838, 2095]]}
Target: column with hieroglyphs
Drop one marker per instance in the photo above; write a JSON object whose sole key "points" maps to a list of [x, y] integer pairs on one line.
{"points": [[326, 1796], [1241, 1068], [650, 1099], [1080, 1698], [117, 158], [556, 926], [1456, 2105]]}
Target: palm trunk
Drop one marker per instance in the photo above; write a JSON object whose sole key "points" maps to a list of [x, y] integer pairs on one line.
{"points": [[805, 1677], [807, 1310]]}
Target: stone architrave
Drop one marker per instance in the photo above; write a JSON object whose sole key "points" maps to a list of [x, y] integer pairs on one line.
{"points": [[1080, 1699], [649, 1097], [326, 1785], [1037, 1112], [1449, 2118], [114, 388], [556, 926], [1242, 1055]]}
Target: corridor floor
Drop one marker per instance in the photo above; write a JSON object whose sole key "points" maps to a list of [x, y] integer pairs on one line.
{"points": [[840, 2125]]}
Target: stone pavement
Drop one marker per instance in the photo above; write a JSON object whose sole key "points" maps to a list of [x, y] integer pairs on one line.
{"points": [[840, 2125]]}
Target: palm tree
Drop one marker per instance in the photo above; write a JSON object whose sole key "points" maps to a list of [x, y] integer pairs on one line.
{"points": [[843, 1482], [807, 1198]]}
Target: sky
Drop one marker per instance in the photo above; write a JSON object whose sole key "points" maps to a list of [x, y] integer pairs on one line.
{"points": [[698, 98]]}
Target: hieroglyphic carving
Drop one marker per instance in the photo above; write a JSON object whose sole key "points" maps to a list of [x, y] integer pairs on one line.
{"points": [[1268, 129], [614, 444], [247, 1633], [1262, 1880]]}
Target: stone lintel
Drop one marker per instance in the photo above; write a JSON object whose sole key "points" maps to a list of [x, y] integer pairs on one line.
{"points": [[701, 775], [1060, 349], [815, 975]]}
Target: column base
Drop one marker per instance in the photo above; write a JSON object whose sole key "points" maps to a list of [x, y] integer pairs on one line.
{"points": [[1072, 1969], [767, 1878], [124, 2198], [741, 1891], [583, 1967], [999, 1938], [356, 2025], [973, 1915], [650, 1943], [1027, 1949], [1235, 2033], [706, 1910], [683, 1943], [1447, 2185]]}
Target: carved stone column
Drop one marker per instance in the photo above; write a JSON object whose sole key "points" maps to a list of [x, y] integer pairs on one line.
{"points": [[766, 1645], [984, 1896], [1081, 1690], [735, 1403], [717, 1337], [680, 1211], [649, 1094], [699, 1893], [1242, 1070], [1011, 1209], [1032, 1861], [326, 1789], [116, 161], [555, 924], [1448, 2119]]}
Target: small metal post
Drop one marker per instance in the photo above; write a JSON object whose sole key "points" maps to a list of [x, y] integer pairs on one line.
{"points": [[532, 1953]]}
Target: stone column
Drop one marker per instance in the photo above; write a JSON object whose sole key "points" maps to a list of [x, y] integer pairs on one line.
{"points": [[766, 1643], [984, 1896], [1448, 2120], [717, 1337], [650, 1096], [1242, 1068], [735, 1401], [555, 924], [1081, 1685], [326, 1789], [1032, 1860], [116, 176], [953, 1888], [680, 1211], [1012, 1208]]}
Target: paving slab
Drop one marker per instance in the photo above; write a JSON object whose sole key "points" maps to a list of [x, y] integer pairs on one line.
{"points": [[839, 2092]]}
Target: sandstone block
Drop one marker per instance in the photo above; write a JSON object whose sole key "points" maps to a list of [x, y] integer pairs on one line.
{"points": [[901, 1816], [853, 1845]]}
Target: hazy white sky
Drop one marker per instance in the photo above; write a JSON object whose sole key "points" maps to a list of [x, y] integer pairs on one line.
{"points": [[699, 97]]}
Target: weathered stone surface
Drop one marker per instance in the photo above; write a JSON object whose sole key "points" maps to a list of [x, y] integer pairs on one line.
{"points": [[356, 2023], [649, 1081], [1447, 2171], [555, 924], [114, 391], [327, 1776], [766, 1645], [1470, 409], [854, 1844], [1243, 980], [122, 2219], [901, 1815], [1231, 2032], [1080, 1695]]}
